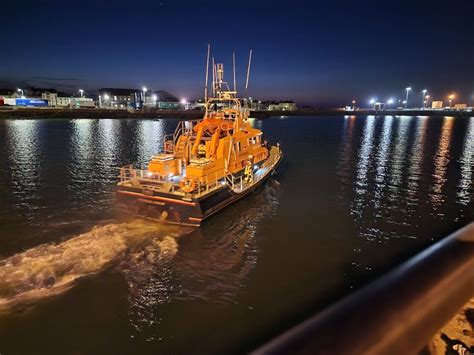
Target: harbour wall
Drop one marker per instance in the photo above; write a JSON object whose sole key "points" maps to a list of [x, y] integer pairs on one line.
{"points": [[197, 114]]}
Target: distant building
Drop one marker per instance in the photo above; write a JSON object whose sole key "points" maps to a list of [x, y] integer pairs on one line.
{"points": [[38, 92], [120, 98], [52, 98], [197, 105], [437, 104], [460, 106], [378, 106], [166, 101], [74, 102], [276, 105], [63, 101]]}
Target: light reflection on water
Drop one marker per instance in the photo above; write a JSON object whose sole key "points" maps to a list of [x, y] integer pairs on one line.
{"points": [[153, 133], [363, 165], [381, 169], [441, 161], [397, 172], [354, 192], [211, 264], [465, 192], [416, 159], [24, 155], [396, 175]]}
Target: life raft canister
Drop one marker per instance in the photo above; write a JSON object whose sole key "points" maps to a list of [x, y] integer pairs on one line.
{"points": [[187, 185]]}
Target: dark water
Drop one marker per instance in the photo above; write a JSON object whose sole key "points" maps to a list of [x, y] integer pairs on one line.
{"points": [[352, 198]]}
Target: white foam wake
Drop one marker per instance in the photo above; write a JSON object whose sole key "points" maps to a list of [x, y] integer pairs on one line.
{"points": [[52, 268]]}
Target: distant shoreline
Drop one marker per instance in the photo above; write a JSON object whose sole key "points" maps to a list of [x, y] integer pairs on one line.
{"points": [[195, 114]]}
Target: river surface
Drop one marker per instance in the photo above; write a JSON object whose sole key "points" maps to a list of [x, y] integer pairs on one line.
{"points": [[353, 197]]}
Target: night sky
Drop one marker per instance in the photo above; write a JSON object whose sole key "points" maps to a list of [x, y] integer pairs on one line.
{"points": [[314, 52]]}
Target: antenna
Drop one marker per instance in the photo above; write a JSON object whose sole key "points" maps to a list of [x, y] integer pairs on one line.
{"points": [[233, 64], [213, 78], [207, 71], [248, 70]]}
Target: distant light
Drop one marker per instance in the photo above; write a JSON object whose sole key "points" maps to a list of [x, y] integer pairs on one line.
{"points": [[106, 97], [408, 88], [145, 89], [184, 101], [353, 101], [404, 101], [390, 101], [372, 101], [427, 96], [223, 182], [424, 91], [155, 97], [255, 167], [149, 174]]}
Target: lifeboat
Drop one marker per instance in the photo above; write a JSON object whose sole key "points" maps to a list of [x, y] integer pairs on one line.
{"points": [[204, 166]]}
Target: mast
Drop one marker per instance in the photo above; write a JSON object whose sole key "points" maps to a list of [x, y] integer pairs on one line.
{"points": [[213, 78], [248, 70], [233, 64], [207, 73]]}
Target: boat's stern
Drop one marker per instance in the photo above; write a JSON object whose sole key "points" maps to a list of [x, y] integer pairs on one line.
{"points": [[147, 195]]}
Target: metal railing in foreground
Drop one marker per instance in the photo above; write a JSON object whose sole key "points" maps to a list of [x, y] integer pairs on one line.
{"points": [[398, 313]]}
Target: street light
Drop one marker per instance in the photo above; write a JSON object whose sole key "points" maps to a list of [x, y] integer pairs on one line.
{"points": [[408, 89], [102, 102], [20, 90], [82, 92], [423, 99], [372, 102], [144, 93], [353, 105], [184, 102], [451, 98], [390, 102]]}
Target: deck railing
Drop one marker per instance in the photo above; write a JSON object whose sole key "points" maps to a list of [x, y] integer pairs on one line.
{"points": [[238, 184], [204, 184], [397, 314], [131, 172]]}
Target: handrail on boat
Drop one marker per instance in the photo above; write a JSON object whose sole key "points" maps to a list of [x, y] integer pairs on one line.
{"points": [[236, 182], [205, 183], [398, 313]]}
